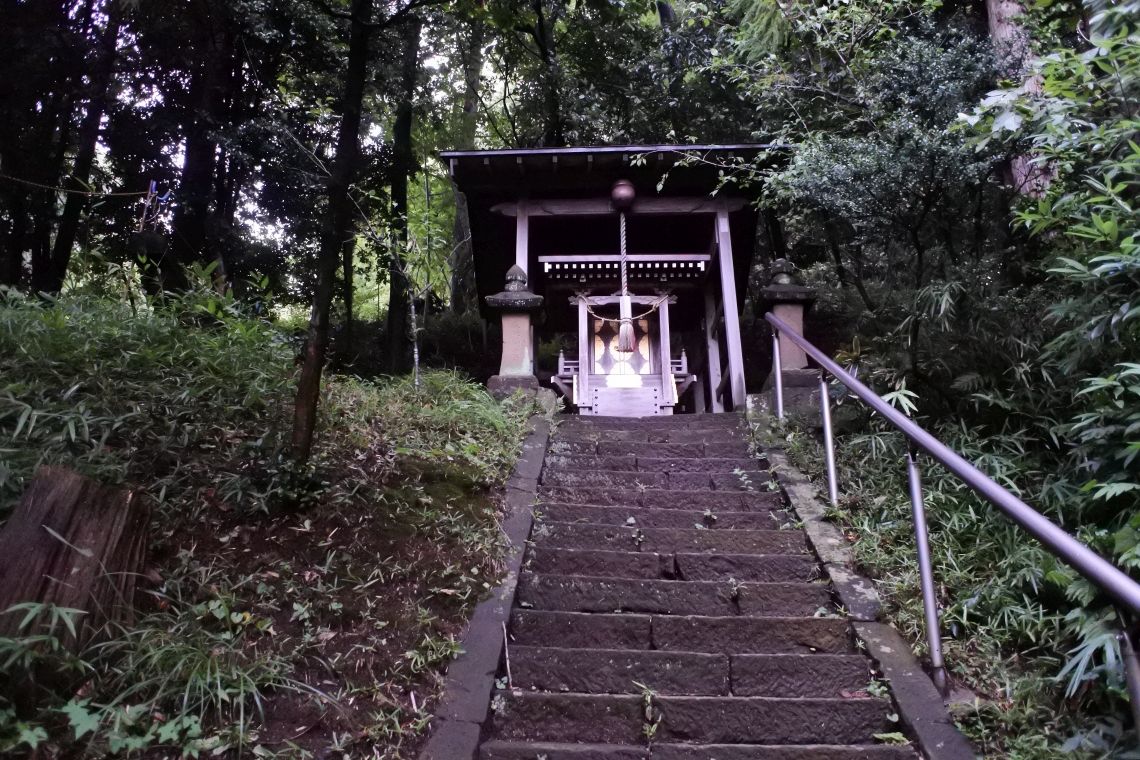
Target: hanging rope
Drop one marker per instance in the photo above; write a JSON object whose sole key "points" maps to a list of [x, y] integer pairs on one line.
{"points": [[626, 341]]}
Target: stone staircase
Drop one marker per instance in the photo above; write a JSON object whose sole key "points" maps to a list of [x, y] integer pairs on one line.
{"points": [[670, 608]]}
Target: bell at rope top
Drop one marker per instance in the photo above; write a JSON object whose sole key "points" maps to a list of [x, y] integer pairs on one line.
{"points": [[622, 194]]}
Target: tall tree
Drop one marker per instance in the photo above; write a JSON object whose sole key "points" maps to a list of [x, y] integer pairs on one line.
{"points": [[336, 230], [88, 139], [404, 166]]}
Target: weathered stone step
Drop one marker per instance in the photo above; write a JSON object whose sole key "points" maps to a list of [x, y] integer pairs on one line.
{"points": [[739, 635], [761, 519], [602, 447], [691, 435], [504, 750], [732, 635], [616, 719], [727, 448], [628, 671], [661, 421], [777, 752], [753, 480], [572, 593], [631, 463], [618, 671], [667, 540], [690, 567], [655, 498], [800, 675]]}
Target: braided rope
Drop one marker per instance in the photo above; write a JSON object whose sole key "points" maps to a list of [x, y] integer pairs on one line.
{"points": [[624, 266], [652, 308]]}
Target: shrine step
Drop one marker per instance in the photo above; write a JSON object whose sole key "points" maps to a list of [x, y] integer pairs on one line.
{"points": [[689, 435], [545, 560], [749, 481], [612, 719], [604, 447], [573, 593], [635, 538], [669, 607], [734, 635], [657, 498], [624, 671], [726, 420], [631, 463], [500, 750], [644, 517]]}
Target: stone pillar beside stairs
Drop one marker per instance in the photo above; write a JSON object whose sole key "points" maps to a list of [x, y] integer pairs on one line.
{"points": [[516, 304], [788, 298]]}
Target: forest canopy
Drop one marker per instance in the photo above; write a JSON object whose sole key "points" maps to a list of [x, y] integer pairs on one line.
{"points": [[960, 188]]}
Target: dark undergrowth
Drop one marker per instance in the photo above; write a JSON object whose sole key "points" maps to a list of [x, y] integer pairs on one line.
{"points": [[1041, 686], [285, 613]]}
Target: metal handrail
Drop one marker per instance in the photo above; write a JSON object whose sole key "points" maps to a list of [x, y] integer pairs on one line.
{"points": [[1104, 574]]}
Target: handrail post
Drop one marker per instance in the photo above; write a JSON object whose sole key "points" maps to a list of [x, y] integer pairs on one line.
{"points": [[777, 373], [1131, 674], [926, 573], [828, 440]]}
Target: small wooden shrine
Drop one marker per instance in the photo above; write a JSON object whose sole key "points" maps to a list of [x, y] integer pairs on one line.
{"points": [[629, 249]]}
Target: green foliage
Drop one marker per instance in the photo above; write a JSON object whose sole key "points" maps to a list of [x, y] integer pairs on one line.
{"points": [[367, 561]]}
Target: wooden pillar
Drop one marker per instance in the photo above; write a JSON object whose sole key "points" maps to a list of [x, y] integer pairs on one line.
{"points": [[713, 372], [585, 401], [731, 310], [666, 351]]}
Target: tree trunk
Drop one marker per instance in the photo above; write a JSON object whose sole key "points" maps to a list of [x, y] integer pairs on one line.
{"points": [[72, 542], [348, 286], [462, 261], [337, 229], [12, 273], [404, 167], [85, 154], [196, 186], [1012, 45], [554, 133]]}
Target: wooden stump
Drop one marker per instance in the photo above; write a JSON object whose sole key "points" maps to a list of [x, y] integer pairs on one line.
{"points": [[72, 542]]}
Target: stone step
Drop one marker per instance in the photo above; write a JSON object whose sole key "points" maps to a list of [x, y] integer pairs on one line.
{"points": [[690, 567], [631, 463], [667, 540], [731, 635], [660, 421], [800, 675], [753, 480], [737, 635], [626, 671], [779, 752], [729, 448], [603, 447], [655, 498], [505, 750], [614, 719], [618, 671], [573, 593], [642, 517], [688, 434]]}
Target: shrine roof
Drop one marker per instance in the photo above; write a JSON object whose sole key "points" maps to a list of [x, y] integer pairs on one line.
{"points": [[550, 172]]}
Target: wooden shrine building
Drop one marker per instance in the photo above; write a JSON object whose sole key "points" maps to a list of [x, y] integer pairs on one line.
{"points": [[546, 230]]}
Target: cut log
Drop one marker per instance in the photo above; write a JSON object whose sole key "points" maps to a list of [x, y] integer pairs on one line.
{"points": [[75, 543]]}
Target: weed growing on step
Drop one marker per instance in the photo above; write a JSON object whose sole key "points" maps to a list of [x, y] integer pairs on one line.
{"points": [[651, 716]]}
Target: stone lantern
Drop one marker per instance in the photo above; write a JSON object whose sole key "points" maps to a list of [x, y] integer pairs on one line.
{"points": [[788, 298], [516, 304]]}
